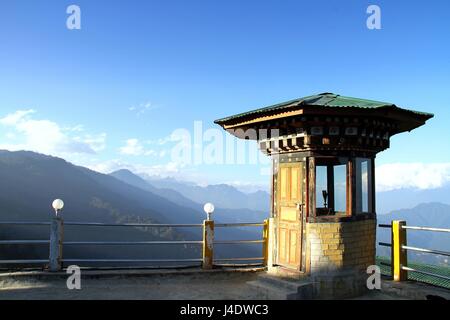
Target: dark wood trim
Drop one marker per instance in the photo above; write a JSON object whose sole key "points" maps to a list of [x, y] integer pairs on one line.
{"points": [[312, 187], [283, 157], [306, 187], [351, 188], [373, 193], [304, 242], [330, 186], [273, 188], [327, 219]]}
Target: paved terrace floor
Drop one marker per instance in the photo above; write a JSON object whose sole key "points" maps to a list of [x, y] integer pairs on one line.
{"points": [[140, 285]]}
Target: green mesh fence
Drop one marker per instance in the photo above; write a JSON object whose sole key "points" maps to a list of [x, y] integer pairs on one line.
{"points": [[415, 276]]}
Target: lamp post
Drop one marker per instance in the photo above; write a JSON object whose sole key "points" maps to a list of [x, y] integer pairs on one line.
{"points": [[208, 237], [56, 237]]}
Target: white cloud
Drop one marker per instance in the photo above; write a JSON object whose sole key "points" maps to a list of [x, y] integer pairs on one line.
{"points": [[95, 142], [143, 108], [170, 169], [46, 136], [412, 175], [133, 147], [173, 137], [13, 118], [77, 128]]}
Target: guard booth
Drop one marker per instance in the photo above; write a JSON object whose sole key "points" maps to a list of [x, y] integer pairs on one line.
{"points": [[323, 216]]}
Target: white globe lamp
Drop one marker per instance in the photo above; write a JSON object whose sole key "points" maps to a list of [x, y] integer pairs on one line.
{"points": [[209, 209], [58, 205]]}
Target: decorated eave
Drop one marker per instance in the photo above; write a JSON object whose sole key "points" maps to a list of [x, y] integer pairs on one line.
{"points": [[325, 121]]}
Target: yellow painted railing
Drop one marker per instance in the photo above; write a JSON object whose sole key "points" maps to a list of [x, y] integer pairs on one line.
{"points": [[400, 248]]}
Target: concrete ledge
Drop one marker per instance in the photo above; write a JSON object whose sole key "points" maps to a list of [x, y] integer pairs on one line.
{"points": [[193, 284], [124, 273], [414, 290]]}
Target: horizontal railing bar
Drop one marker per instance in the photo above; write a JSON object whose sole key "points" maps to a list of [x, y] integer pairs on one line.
{"points": [[426, 229], [239, 259], [426, 273], [237, 241], [385, 244], [129, 242], [2, 242], [22, 261], [257, 264], [384, 226], [442, 253], [249, 224], [385, 264], [155, 225], [28, 223], [132, 260]]}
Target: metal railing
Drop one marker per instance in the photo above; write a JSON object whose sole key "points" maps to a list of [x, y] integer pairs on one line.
{"points": [[399, 248], [56, 260], [24, 242]]}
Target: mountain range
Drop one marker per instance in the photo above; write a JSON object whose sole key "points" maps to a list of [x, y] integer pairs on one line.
{"points": [[393, 200], [30, 182], [222, 195], [237, 206], [431, 214]]}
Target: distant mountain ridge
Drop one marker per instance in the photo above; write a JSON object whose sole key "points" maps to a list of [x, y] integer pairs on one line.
{"points": [[29, 182], [389, 201], [223, 214], [222, 195], [431, 214]]}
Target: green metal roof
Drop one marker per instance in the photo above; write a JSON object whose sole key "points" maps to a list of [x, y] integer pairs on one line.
{"points": [[323, 100]]}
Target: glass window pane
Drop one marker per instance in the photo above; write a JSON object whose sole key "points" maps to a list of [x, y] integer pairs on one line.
{"points": [[340, 192], [321, 184], [363, 172], [365, 186]]}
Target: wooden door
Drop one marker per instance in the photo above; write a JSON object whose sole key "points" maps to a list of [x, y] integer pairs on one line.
{"points": [[289, 206]]}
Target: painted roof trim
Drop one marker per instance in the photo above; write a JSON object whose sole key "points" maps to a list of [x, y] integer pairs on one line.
{"points": [[328, 100]]}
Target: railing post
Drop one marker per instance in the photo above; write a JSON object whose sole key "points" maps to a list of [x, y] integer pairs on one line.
{"points": [[208, 244], [265, 236], [270, 243], [56, 243], [398, 254]]}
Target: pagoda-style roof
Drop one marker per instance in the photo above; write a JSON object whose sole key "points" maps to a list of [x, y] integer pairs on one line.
{"points": [[332, 105]]}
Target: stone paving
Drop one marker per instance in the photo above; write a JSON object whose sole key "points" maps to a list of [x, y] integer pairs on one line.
{"points": [[144, 284]]}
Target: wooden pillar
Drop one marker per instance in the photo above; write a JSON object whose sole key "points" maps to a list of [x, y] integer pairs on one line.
{"points": [[351, 188], [311, 187], [273, 186], [372, 203], [399, 257], [56, 244], [357, 171], [330, 186], [265, 237], [208, 244], [270, 243]]}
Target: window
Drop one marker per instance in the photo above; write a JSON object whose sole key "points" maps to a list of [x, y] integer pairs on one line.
{"points": [[332, 186], [331, 191], [363, 172], [321, 187], [340, 187]]}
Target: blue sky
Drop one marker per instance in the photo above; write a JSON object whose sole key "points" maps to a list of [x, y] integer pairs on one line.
{"points": [[109, 95]]}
